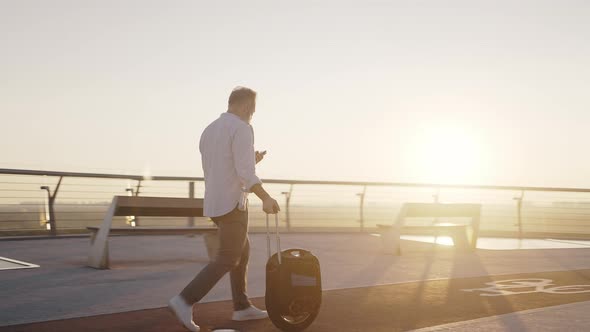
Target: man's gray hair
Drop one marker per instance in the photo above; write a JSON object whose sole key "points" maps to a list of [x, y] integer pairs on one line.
{"points": [[241, 94]]}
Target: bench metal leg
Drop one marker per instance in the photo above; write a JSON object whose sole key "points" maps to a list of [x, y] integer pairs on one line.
{"points": [[474, 232], [92, 237], [461, 236], [460, 239], [390, 239], [98, 256]]}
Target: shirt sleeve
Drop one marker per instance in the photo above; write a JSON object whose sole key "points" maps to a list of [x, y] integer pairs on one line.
{"points": [[244, 156]]}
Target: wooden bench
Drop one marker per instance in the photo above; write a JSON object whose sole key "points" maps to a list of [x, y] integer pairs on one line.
{"points": [[98, 256], [464, 235]]}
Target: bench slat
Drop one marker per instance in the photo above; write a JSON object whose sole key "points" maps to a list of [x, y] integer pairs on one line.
{"points": [[422, 227], [158, 230], [155, 211], [441, 210], [159, 206]]}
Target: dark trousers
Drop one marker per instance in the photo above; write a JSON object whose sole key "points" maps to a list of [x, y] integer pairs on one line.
{"points": [[232, 257]]}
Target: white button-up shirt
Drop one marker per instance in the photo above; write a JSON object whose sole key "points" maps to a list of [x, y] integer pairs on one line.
{"points": [[229, 163]]}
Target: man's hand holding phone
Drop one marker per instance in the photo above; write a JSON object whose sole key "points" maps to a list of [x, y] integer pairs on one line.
{"points": [[260, 156]]}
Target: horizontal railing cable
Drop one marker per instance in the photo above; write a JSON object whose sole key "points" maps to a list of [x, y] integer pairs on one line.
{"points": [[83, 197]]}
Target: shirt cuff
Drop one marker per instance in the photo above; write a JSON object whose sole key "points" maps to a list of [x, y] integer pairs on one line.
{"points": [[251, 182]]}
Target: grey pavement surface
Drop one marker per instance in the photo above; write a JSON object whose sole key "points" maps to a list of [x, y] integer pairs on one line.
{"points": [[147, 270]]}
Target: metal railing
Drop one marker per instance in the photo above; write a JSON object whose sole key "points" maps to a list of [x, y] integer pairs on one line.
{"points": [[50, 202]]}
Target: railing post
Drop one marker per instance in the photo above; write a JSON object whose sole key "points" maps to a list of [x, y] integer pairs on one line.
{"points": [[51, 220], [137, 188], [287, 204], [362, 208], [191, 194], [131, 220], [436, 196], [519, 212], [51, 201]]}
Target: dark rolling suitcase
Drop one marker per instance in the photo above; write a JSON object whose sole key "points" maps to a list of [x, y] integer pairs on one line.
{"points": [[293, 286]]}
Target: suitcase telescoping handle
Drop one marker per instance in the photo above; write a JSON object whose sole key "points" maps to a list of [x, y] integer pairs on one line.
{"points": [[278, 237]]}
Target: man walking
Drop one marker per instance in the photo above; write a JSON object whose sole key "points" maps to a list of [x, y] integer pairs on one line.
{"points": [[229, 159]]}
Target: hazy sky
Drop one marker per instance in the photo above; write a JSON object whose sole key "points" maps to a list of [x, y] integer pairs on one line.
{"points": [[479, 92]]}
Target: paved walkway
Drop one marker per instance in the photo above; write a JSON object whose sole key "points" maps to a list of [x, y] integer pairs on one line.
{"points": [[147, 271], [567, 317]]}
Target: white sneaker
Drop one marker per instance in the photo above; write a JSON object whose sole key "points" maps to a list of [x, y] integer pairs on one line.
{"points": [[184, 312], [249, 314]]}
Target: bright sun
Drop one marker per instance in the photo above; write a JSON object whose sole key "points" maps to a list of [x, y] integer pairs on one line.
{"points": [[447, 155]]}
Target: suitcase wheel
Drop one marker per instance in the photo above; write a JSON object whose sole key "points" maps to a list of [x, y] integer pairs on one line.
{"points": [[302, 312]]}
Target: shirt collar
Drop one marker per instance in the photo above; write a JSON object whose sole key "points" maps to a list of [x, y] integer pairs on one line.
{"points": [[228, 114]]}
